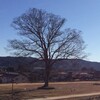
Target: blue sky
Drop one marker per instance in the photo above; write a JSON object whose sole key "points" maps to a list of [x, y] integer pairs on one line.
{"points": [[83, 15]]}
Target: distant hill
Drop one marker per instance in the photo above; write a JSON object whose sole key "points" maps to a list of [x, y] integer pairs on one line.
{"points": [[31, 63], [17, 62], [76, 64]]}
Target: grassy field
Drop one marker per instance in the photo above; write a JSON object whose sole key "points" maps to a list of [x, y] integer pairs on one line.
{"points": [[26, 91]]}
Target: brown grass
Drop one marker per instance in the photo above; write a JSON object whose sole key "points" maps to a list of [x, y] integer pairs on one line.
{"points": [[29, 90]]}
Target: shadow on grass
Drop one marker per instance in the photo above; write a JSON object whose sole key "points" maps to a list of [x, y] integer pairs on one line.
{"points": [[16, 95], [23, 94], [19, 91], [96, 83], [45, 88]]}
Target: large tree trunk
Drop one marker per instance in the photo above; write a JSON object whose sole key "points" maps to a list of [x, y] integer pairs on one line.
{"points": [[48, 68], [46, 77]]}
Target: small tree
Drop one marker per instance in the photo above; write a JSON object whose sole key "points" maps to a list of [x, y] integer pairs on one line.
{"points": [[43, 37]]}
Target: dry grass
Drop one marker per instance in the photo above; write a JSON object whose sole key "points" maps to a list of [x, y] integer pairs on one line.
{"points": [[29, 90]]}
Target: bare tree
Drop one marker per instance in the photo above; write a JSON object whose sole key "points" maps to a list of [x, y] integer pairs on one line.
{"points": [[42, 36]]}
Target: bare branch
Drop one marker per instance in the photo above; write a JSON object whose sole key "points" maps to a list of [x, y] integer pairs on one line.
{"points": [[44, 38]]}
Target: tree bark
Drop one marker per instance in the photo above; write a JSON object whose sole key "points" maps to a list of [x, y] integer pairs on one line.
{"points": [[46, 78], [47, 73]]}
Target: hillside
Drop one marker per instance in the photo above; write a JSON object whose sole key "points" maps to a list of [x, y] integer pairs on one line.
{"points": [[31, 63]]}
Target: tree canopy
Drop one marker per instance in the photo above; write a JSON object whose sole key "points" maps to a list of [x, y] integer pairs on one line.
{"points": [[42, 36]]}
